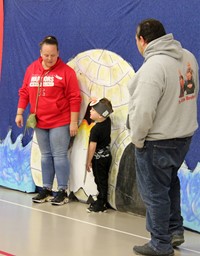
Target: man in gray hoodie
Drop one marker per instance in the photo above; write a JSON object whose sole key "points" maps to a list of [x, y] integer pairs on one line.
{"points": [[162, 122]]}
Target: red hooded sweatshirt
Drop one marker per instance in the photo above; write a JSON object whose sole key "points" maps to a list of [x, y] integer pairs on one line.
{"points": [[59, 93]]}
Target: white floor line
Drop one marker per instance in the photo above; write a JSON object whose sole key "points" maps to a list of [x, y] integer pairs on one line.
{"points": [[88, 223], [81, 221]]}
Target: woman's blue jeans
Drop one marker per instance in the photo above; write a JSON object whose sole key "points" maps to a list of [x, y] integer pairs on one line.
{"points": [[53, 144], [157, 164]]}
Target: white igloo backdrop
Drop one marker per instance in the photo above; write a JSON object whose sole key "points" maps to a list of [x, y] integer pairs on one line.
{"points": [[100, 73]]}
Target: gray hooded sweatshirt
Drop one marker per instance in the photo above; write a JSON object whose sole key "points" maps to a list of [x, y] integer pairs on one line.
{"points": [[163, 93]]}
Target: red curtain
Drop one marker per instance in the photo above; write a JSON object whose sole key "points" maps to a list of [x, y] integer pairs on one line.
{"points": [[1, 32]]}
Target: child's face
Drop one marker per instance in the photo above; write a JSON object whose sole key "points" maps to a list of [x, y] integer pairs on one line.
{"points": [[94, 115]]}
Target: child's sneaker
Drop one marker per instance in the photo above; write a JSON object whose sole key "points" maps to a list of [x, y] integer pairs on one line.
{"points": [[44, 195], [97, 206], [60, 198]]}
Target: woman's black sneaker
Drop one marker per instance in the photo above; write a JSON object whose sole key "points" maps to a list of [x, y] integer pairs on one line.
{"points": [[60, 198], [44, 195]]}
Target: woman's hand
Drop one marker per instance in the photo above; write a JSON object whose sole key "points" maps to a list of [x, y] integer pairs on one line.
{"points": [[73, 128], [19, 120]]}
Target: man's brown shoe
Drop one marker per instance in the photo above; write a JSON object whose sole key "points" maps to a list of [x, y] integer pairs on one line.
{"points": [[146, 249], [177, 240]]}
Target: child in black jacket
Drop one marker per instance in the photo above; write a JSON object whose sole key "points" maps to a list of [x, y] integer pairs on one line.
{"points": [[99, 157]]}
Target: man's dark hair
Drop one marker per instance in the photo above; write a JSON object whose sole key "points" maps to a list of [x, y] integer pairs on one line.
{"points": [[150, 29]]}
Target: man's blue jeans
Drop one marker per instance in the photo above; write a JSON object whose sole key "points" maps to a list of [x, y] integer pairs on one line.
{"points": [[157, 164], [53, 144]]}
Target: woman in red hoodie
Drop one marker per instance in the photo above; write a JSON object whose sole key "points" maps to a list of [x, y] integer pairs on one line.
{"points": [[57, 113]]}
